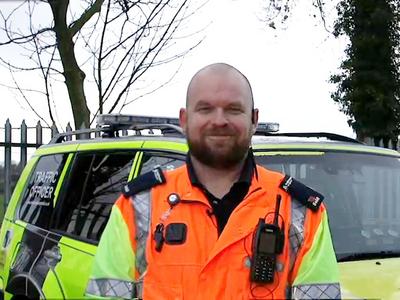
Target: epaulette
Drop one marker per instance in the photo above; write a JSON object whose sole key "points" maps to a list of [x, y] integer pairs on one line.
{"points": [[302, 193], [144, 182]]}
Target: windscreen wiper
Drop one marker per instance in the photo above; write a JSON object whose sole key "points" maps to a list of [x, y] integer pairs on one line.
{"points": [[367, 255]]}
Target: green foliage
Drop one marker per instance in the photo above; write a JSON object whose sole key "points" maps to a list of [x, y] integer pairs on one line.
{"points": [[368, 85]]}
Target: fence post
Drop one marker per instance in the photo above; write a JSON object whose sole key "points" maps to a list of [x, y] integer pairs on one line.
{"points": [[68, 129], [97, 133], [24, 148], [7, 163], [39, 135], [54, 130]]}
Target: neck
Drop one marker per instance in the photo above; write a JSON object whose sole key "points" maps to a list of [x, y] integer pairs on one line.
{"points": [[217, 181]]}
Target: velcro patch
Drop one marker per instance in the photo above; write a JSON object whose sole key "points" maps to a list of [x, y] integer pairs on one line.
{"points": [[144, 182], [302, 193]]}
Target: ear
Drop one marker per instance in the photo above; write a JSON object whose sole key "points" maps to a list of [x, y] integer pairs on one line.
{"points": [[254, 119], [183, 119]]}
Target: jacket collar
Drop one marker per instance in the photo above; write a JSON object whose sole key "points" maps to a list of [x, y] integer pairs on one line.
{"points": [[249, 168]]}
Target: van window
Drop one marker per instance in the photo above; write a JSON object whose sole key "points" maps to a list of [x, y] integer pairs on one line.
{"points": [[94, 184], [361, 194], [166, 161], [37, 203]]}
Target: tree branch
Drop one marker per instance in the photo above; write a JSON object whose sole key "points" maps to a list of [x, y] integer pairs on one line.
{"points": [[100, 59], [154, 13], [21, 69], [22, 89], [45, 73], [126, 103], [150, 50], [77, 25], [23, 38], [26, 99], [115, 78], [320, 5]]}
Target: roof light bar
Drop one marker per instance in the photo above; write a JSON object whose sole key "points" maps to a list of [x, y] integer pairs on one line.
{"points": [[129, 120], [118, 119], [267, 127]]}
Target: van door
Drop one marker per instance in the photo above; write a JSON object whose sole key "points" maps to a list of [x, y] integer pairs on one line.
{"points": [[33, 215], [82, 211]]}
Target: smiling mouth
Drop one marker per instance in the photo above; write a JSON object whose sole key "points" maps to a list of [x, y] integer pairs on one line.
{"points": [[219, 136]]}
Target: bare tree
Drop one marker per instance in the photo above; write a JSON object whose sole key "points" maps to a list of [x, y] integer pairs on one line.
{"points": [[277, 12], [108, 43]]}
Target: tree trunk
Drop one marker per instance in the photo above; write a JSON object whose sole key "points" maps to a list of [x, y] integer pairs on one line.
{"points": [[386, 140], [74, 76], [360, 136], [394, 143], [377, 140]]}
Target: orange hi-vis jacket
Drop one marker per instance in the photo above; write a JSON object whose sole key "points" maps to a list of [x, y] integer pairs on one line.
{"points": [[202, 265]]}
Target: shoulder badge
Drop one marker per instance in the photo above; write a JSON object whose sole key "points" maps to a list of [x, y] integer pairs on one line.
{"points": [[302, 193], [144, 182]]}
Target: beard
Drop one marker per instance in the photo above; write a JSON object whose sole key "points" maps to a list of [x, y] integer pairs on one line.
{"points": [[219, 154]]}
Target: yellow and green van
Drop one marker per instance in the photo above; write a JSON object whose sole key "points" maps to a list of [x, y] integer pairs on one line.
{"points": [[63, 198]]}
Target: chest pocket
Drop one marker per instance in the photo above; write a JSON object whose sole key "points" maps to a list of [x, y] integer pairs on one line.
{"points": [[173, 268], [177, 244]]}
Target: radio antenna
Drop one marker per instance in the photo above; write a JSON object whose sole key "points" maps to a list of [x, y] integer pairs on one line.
{"points": [[277, 206]]}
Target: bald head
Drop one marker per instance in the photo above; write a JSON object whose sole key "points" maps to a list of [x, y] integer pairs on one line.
{"points": [[219, 119], [220, 70]]}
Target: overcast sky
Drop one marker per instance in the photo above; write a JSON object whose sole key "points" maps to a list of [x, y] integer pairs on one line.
{"points": [[288, 69]]}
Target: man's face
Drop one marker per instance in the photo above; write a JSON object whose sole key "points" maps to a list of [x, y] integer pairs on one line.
{"points": [[218, 119]]}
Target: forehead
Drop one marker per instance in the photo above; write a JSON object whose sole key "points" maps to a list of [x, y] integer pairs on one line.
{"points": [[224, 87]]}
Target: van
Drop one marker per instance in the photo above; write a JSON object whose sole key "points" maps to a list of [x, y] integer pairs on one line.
{"points": [[63, 199]]}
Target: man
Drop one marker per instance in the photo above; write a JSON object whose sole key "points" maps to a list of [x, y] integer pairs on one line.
{"points": [[219, 227]]}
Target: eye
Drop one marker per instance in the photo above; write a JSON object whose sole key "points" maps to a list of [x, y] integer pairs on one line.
{"points": [[235, 110], [204, 109]]}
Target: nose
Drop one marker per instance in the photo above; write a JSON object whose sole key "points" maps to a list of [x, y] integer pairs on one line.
{"points": [[220, 118]]}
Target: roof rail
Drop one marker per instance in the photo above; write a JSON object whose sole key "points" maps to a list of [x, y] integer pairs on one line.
{"points": [[109, 126], [327, 135], [110, 132], [67, 136]]}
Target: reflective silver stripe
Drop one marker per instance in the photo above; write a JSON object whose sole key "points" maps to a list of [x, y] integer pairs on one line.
{"points": [[296, 229], [111, 288], [139, 289], [142, 206], [316, 291]]}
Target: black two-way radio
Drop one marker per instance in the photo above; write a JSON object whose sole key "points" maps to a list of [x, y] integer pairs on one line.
{"points": [[267, 243]]}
